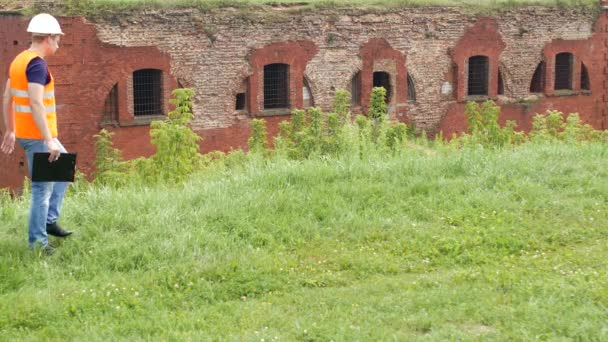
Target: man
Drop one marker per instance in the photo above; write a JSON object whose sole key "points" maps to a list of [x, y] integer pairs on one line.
{"points": [[30, 119]]}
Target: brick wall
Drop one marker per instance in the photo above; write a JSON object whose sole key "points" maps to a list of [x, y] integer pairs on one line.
{"points": [[222, 53], [212, 51]]}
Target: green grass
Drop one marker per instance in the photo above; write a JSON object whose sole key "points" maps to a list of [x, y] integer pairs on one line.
{"points": [[468, 245], [96, 7]]}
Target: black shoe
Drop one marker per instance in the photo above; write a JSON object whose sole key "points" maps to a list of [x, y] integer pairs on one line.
{"points": [[56, 230]]}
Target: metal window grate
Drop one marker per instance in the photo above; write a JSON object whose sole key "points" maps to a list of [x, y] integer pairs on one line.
{"points": [[537, 85], [584, 78], [241, 100], [411, 89], [355, 86], [147, 92], [276, 86], [110, 106], [478, 75], [563, 71], [383, 79]]}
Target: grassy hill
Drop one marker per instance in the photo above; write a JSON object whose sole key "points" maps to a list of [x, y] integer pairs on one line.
{"points": [[427, 244]]}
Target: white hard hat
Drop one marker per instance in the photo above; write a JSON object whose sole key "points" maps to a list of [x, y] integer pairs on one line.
{"points": [[45, 24]]}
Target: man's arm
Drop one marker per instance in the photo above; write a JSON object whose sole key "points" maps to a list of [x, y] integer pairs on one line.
{"points": [[8, 118], [35, 92]]}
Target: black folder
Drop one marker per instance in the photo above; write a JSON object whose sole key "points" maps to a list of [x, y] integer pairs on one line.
{"points": [[61, 170]]}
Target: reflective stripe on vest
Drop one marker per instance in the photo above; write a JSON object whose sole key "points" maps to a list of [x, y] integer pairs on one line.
{"points": [[25, 94], [28, 109]]}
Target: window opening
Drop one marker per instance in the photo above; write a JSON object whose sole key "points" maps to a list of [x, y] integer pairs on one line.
{"points": [[563, 71], [355, 87], [584, 78], [537, 85], [478, 75], [307, 95], [411, 89], [110, 106], [276, 86], [501, 84], [240, 101], [383, 79], [147, 92]]}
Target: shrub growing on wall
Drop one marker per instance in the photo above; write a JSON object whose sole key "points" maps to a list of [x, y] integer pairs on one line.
{"points": [[483, 125], [176, 144], [258, 141], [109, 167], [377, 112], [342, 105]]}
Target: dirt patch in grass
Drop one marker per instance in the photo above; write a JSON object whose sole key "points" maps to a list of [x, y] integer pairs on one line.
{"points": [[477, 329]]}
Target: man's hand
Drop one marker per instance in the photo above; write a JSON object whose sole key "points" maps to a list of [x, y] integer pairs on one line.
{"points": [[8, 142], [53, 150]]}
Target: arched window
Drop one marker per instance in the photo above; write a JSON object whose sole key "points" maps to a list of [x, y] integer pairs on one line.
{"points": [[478, 75], [563, 71], [110, 107], [308, 101], [241, 96], [537, 85], [355, 86], [584, 78], [241, 101], [501, 84], [411, 88], [147, 92], [383, 79], [276, 86]]}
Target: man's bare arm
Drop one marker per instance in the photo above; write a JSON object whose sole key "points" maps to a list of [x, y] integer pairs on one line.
{"points": [[8, 120], [7, 114]]}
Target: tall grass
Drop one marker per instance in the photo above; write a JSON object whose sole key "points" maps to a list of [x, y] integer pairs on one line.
{"points": [[346, 231], [426, 244]]}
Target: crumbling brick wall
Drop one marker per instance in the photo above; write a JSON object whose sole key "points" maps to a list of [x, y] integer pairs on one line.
{"points": [[210, 51]]}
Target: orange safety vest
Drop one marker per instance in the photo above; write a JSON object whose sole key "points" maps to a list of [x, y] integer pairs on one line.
{"points": [[25, 126]]}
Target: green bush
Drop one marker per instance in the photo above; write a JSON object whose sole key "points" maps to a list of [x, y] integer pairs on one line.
{"points": [[396, 136], [483, 125], [258, 141], [341, 105], [553, 126], [377, 113], [545, 127], [109, 166], [176, 144]]}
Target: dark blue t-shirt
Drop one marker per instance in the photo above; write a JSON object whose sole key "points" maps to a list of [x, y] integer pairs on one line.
{"points": [[37, 72]]}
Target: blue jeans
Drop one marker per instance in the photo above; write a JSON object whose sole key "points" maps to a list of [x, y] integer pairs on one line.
{"points": [[46, 196]]}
